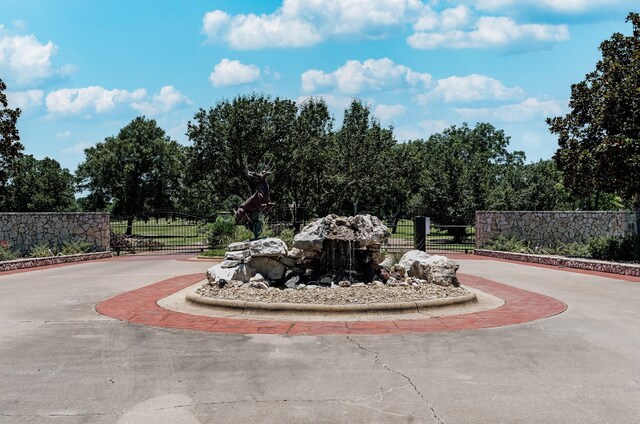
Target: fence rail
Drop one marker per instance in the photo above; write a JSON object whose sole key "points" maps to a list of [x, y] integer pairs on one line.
{"points": [[179, 232]]}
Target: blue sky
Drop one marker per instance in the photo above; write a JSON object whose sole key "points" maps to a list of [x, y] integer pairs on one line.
{"points": [[81, 70]]}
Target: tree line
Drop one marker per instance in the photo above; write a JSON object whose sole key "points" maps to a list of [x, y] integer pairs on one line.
{"points": [[355, 167]]}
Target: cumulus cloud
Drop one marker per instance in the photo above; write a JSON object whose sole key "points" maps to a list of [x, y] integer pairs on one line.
{"points": [[77, 148], [371, 75], [529, 109], [69, 101], [300, 23], [387, 113], [24, 59], [25, 100], [232, 72], [564, 6], [470, 88], [166, 100], [433, 126], [490, 32]]}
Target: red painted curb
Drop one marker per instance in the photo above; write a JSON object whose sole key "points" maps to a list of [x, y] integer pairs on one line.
{"points": [[139, 307]]}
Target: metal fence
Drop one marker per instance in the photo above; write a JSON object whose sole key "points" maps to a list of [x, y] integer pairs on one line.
{"points": [[175, 232]]}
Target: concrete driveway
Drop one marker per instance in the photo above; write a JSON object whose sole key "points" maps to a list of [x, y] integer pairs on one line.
{"points": [[62, 362]]}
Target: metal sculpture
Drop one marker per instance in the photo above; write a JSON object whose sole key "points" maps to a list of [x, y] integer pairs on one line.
{"points": [[248, 213]]}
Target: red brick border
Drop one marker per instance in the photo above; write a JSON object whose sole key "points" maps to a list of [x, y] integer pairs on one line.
{"points": [[140, 307]]}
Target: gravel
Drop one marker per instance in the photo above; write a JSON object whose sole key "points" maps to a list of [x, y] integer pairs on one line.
{"points": [[361, 295]]}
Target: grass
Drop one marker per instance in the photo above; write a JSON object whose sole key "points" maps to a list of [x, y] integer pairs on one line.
{"points": [[178, 232], [437, 240]]}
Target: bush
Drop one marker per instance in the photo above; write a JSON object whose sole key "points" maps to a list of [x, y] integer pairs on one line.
{"points": [[220, 231], [505, 244], [6, 254], [75, 247], [120, 243], [41, 250], [615, 248]]}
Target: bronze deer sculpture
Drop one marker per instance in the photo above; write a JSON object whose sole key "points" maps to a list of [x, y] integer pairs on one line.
{"points": [[260, 200]]}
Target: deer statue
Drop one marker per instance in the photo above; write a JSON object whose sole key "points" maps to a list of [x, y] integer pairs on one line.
{"points": [[259, 201]]}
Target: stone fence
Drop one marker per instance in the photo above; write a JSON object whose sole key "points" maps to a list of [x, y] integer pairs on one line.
{"points": [[24, 230], [550, 228]]}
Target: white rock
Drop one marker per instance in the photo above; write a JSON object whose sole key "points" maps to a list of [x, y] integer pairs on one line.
{"points": [[240, 245], [311, 236], [270, 268], [436, 269], [259, 285], [241, 273], [257, 277], [268, 247], [344, 283], [229, 264], [238, 255]]}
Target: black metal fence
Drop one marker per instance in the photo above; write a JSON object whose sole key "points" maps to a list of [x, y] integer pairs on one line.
{"points": [[174, 232]]}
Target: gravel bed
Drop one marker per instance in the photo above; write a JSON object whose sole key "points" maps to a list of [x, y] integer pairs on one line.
{"points": [[360, 295]]}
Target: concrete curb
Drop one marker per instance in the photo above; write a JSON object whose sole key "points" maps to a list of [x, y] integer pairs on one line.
{"points": [[294, 307], [52, 260], [560, 261]]}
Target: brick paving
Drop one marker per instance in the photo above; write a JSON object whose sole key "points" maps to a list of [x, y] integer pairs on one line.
{"points": [[139, 307]]}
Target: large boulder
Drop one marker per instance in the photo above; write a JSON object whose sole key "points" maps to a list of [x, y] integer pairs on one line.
{"points": [[268, 247], [363, 230], [435, 269], [268, 267], [240, 272]]}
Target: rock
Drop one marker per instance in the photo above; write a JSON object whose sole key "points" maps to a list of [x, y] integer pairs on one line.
{"points": [[229, 264], [236, 283], [398, 271], [311, 236], [295, 253], [257, 277], [392, 282], [344, 284], [384, 274], [291, 282], [388, 261], [378, 283], [221, 282], [326, 279], [288, 262], [301, 286], [241, 272], [259, 285], [311, 287], [240, 245], [366, 230], [270, 268], [442, 271], [403, 284], [438, 270], [358, 285], [238, 255], [268, 247]]}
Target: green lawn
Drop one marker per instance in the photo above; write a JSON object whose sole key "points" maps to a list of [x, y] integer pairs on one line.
{"points": [[169, 232]]}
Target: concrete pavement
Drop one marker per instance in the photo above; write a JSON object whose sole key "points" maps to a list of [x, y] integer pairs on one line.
{"points": [[60, 361]]}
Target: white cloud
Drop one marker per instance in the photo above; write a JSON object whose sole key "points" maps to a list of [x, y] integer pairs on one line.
{"points": [[166, 100], [564, 6], [77, 148], [490, 32], [300, 23], [24, 59], [471, 88], [387, 113], [63, 134], [371, 75], [527, 110], [405, 134], [433, 126], [25, 100], [68, 101], [232, 72]]}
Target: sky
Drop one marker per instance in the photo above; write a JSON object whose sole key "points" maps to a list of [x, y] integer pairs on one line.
{"points": [[81, 70]]}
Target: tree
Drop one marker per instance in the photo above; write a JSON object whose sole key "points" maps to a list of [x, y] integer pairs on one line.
{"points": [[10, 147], [252, 128], [134, 173], [599, 139], [41, 186]]}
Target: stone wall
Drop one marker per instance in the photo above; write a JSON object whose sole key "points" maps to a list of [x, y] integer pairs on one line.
{"points": [[26, 229], [553, 227]]}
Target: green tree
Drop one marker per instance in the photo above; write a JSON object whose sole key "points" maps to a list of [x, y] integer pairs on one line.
{"points": [[10, 147], [463, 165], [599, 139], [135, 172], [252, 128], [41, 186]]}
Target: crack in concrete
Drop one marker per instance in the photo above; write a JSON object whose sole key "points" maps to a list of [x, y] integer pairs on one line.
{"points": [[413, 385]]}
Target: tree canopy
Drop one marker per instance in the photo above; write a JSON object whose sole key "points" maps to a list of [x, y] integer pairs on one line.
{"points": [[137, 171], [599, 139], [10, 147]]}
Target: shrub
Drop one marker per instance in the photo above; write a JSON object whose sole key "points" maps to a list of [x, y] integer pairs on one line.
{"points": [[505, 244], [615, 248], [75, 247], [41, 250], [220, 231], [120, 243], [6, 254]]}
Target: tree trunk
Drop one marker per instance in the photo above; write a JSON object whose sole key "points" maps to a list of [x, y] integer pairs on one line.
{"points": [[129, 226]]}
